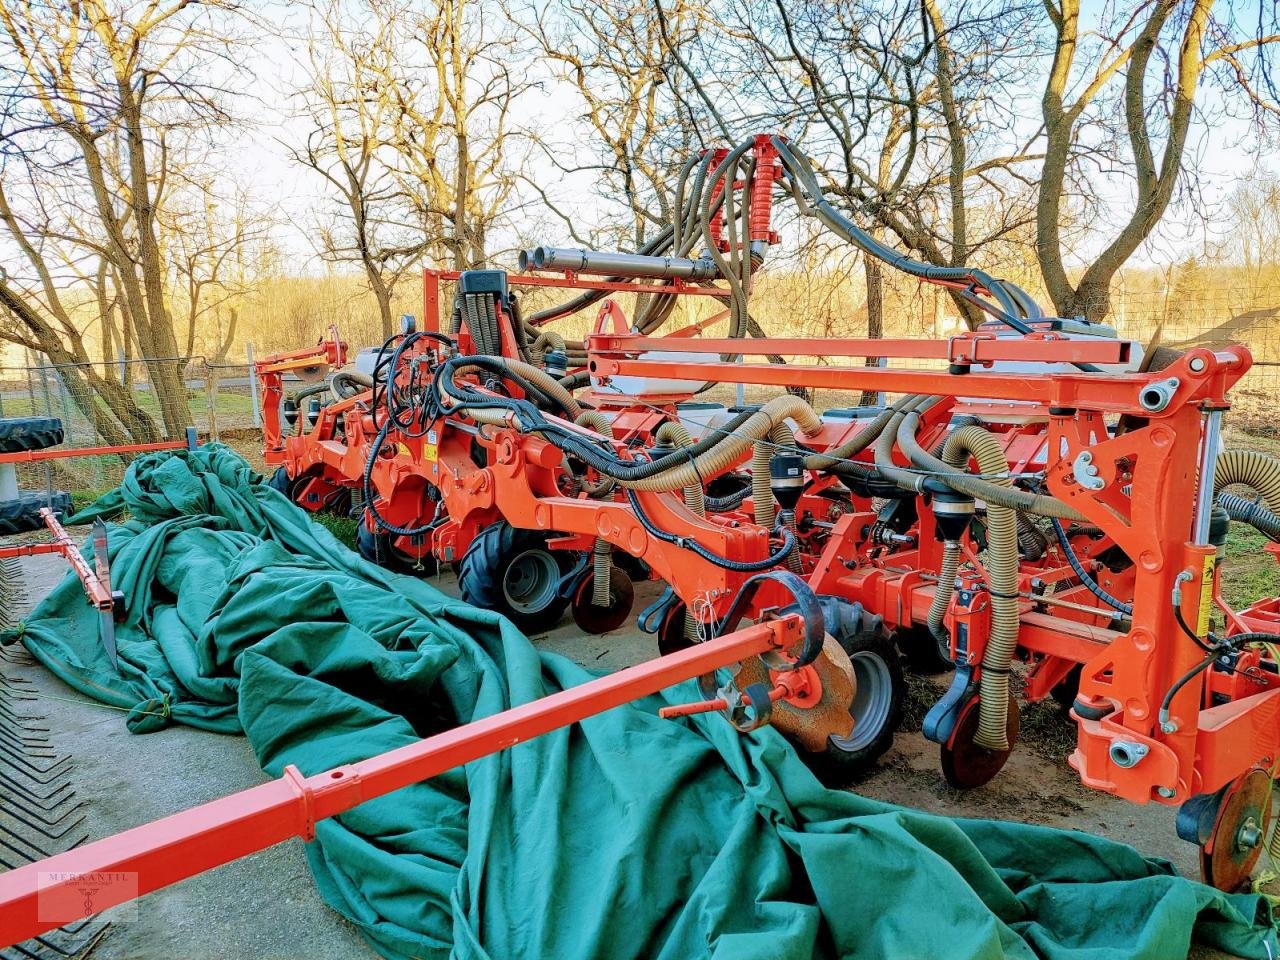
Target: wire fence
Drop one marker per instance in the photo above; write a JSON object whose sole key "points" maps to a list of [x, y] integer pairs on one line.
{"points": [[129, 401]]}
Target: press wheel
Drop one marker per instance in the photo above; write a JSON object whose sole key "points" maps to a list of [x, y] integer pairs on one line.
{"points": [[965, 764], [1228, 856], [597, 620]]}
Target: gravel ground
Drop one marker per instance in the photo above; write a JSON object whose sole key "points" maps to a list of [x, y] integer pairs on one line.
{"points": [[265, 906]]}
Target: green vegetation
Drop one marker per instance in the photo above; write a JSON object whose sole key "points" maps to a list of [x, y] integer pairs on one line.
{"points": [[344, 528], [1249, 571]]}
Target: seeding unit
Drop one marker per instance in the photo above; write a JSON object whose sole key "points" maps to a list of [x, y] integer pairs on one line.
{"points": [[1047, 503]]}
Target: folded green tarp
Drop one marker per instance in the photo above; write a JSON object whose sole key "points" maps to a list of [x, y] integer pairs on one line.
{"points": [[625, 836]]}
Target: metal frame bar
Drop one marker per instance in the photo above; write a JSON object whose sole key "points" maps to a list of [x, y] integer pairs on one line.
{"points": [[195, 840]]}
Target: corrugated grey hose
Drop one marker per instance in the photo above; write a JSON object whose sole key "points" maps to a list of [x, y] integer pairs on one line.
{"points": [[1250, 468], [1002, 582], [945, 589], [673, 432], [1032, 542], [602, 550], [782, 437]]}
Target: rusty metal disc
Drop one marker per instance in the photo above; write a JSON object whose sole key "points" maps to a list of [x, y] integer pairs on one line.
{"points": [[965, 764], [312, 374], [826, 715], [1228, 857], [596, 620]]}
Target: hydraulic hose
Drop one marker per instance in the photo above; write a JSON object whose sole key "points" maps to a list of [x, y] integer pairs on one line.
{"points": [[730, 449], [1255, 514], [1002, 582], [597, 421], [1002, 493], [1250, 468], [738, 566], [1078, 569], [673, 432], [524, 416]]}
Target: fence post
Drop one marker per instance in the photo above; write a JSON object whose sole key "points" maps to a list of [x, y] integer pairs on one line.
{"points": [[253, 386], [210, 399], [65, 404]]}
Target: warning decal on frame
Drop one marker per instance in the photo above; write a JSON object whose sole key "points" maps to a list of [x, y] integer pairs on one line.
{"points": [[1206, 595]]}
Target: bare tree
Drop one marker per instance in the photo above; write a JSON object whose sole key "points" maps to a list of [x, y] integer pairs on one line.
{"points": [[614, 54], [907, 108], [411, 113], [351, 103], [103, 108], [1126, 94]]}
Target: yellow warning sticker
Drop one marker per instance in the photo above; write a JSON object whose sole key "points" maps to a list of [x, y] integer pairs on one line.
{"points": [[403, 450], [430, 452], [1206, 594]]}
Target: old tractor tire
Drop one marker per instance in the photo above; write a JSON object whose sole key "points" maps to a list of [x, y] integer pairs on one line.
{"points": [[21, 434], [514, 573], [23, 514], [877, 710], [280, 481], [380, 548]]}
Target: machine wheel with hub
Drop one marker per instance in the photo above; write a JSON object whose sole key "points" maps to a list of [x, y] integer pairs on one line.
{"points": [[879, 689], [967, 764], [515, 573], [20, 509], [597, 619], [1230, 827]]}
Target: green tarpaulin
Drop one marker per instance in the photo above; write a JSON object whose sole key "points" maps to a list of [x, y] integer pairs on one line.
{"points": [[626, 836]]}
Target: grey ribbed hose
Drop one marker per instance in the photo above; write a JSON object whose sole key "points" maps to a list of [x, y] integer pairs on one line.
{"points": [[695, 498], [547, 339], [597, 421], [991, 491], [361, 380], [673, 432], [944, 591], [1002, 581], [782, 437], [602, 564], [907, 479], [1250, 468], [539, 378], [866, 436], [730, 450], [602, 549]]}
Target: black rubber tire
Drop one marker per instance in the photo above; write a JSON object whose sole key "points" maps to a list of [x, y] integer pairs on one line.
{"points": [[483, 575], [23, 514], [881, 690], [280, 481], [19, 434], [1066, 690], [923, 653], [378, 548]]}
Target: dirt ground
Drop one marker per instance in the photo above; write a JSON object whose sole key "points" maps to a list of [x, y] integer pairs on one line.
{"points": [[265, 906]]}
